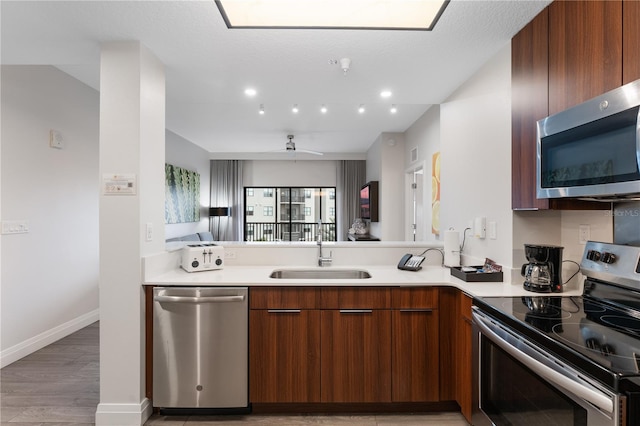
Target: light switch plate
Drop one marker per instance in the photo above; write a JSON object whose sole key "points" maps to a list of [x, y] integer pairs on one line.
{"points": [[15, 227]]}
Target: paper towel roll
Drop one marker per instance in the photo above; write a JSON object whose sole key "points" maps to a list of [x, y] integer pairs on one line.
{"points": [[451, 248]]}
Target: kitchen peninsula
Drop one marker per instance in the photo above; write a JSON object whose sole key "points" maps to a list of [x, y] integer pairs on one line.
{"points": [[410, 351]]}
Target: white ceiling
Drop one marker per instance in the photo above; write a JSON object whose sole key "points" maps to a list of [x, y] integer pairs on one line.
{"points": [[208, 66]]}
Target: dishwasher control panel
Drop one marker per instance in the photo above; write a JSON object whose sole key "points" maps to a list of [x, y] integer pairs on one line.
{"points": [[202, 257]]}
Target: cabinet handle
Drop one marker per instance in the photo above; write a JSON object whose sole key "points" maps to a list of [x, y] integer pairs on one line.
{"points": [[417, 310], [283, 311], [356, 311]]}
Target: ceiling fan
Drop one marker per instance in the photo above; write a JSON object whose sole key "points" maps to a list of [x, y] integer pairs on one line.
{"points": [[291, 147]]}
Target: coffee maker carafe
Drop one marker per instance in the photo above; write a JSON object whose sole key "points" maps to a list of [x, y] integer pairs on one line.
{"points": [[543, 273]]}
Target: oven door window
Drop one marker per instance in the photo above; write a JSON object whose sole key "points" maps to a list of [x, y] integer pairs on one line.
{"points": [[511, 394]]}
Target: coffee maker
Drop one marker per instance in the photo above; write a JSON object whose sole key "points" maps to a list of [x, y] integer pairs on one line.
{"points": [[543, 273]]}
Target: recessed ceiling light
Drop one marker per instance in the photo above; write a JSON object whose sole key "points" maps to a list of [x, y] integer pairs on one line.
{"points": [[361, 109], [326, 14], [261, 112], [251, 92], [323, 109], [393, 109], [385, 94], [295, 109]]}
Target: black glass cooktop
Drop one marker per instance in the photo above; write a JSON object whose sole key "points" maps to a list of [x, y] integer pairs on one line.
{"points": [[598, 338]]}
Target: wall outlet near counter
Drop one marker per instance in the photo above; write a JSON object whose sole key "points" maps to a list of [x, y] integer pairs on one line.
{"points": [[584, 233]]}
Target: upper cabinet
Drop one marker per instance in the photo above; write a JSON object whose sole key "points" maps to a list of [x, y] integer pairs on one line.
{"points": [[585, 51], [571, 52], [630, 41], [530, 103]]}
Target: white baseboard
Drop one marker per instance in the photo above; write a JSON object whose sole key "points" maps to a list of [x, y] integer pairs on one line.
{"points": [[38, 342], [123, 414]]}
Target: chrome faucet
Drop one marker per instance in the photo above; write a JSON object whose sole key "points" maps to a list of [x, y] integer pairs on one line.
{"points": [[322, 261]]}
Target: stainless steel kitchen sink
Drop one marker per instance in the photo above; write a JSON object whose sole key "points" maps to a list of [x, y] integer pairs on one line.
{"points": [[320, 274]]}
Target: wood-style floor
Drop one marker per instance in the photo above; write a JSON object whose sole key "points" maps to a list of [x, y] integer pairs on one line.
{"points": [[59, 386]]}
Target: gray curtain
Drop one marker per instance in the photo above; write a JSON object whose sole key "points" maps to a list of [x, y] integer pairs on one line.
{"points": [[227, 191], [352, 174]]}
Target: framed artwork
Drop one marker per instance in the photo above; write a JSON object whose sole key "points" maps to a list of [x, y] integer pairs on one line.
{"points": [[182, 195], [435, 193]]}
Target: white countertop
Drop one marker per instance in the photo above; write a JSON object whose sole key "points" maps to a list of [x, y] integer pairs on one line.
{"points": [[252, 276]]}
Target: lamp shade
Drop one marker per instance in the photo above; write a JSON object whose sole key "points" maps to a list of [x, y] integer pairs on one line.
{"points": [[219, 211]]}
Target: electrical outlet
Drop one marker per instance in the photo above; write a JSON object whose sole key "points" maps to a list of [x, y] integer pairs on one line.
{"points": [[493, 230], [149, 232], [584, 233], [229, 254]]}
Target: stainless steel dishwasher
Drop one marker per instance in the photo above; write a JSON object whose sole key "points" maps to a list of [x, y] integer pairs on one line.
{"points": [[200, 349]]}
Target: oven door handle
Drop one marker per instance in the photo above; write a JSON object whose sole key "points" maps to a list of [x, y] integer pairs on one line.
{"points": [[596, 398]]}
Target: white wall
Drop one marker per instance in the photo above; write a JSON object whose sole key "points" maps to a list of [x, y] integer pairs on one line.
{"points": [[320, 173], [424, 135], [475, 145], [49, 275], [385, 163], [182, 153]]}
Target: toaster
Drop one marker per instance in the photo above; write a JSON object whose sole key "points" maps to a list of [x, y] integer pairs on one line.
{"points": [[202, 257]]}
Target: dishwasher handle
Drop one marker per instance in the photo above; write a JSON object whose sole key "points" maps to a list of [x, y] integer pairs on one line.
{"points": [[196, 299]]}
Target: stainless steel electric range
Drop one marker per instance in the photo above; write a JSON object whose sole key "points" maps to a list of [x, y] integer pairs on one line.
{"points": [[572, 360]]}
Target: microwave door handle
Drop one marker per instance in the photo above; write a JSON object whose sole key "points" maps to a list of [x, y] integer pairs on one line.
{"points": [[596, 398]]}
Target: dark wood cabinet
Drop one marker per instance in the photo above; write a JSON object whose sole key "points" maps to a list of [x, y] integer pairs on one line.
{"points": [[585, 51], [356, 344], [529, 103], [630, 41], [284, 343], [344, 345], [356, 355], [569, 53], [415, 346], [285, 356], [464, 356]]}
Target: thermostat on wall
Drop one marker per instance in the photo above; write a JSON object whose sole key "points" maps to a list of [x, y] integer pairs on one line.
{"points": [[119, 184]]}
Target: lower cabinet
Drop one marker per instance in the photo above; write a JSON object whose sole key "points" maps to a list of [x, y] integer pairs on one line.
{"points": [[343, 345], [356, 355], [284, 355], [415, 345], [464, 378]]}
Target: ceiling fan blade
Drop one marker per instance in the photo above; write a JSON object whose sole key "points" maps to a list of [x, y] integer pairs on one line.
{"points": [[309, 151]]}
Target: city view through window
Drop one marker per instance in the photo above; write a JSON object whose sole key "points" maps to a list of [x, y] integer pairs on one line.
{"points": [[289, 213]]}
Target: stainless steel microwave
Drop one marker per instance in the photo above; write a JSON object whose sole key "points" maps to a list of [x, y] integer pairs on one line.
{"points": [[592, 150]]}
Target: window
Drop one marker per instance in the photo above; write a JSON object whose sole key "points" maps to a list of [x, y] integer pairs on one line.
{"points": [[289, 213]]}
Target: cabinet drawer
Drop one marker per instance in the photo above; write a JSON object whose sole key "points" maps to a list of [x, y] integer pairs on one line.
{"points": [[355, 298], [415, 298], [284, 297]]}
